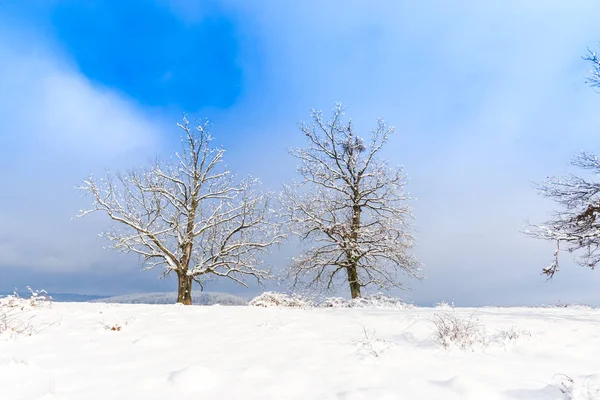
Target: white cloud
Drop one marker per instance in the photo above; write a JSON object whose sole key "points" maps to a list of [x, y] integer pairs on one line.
{"points": [[46, 102], [56, 128]]}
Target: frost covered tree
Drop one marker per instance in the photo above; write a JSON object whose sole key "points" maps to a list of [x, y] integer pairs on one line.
{"points": [[350, 206], [576, 225], [188, 216]]}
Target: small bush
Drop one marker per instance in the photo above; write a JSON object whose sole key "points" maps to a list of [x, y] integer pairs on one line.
{"points": [[371, 345], [567, 305], [444, 305], [452, 330], [275, 299], [36, 299], [511, 334], [586, 389], [372, 301], [15, 312], [14, 321], [115, 324]]}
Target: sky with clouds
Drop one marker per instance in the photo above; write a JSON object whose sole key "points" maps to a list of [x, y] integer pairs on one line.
{"points": [[487, 97]]}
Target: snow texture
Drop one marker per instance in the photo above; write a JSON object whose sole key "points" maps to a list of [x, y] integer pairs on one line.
{"points": [[159, 352]]}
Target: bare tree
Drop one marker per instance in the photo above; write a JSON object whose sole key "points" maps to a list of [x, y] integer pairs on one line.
{"points": [[350, 206], [576, 225], [188, 216]]}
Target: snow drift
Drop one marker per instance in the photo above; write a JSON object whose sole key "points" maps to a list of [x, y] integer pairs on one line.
{"points": [[97, 351]]}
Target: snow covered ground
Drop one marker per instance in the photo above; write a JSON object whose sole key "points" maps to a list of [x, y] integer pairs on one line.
{"points": [[116, 351]]}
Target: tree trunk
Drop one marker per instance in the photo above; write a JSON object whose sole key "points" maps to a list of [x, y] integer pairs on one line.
{"points": [[353, 281], [184, 289], [352, 257]]}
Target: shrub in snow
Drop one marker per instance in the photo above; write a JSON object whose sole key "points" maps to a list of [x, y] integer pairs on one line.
{"points": [[452, 330], [116, 324], [511, 334], [15, 311], [14, 321], [586, 389], [335, 302], [444, 305], [371, 345], [371, 301], [15, 318], [275, 299], [36, 299], [573, 305]]}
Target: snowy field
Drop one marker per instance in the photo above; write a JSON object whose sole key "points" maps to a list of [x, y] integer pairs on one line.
{"points": [[116, 351]]}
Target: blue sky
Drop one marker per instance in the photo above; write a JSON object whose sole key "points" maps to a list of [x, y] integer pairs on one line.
{"points": [[487, 97]]}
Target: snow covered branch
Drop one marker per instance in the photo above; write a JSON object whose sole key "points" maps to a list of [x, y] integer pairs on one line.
{"points": [[576, 224], [593, 79]]}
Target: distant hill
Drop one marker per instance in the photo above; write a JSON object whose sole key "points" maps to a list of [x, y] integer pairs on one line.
{"points": [[201, 299], [61, 297]]}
